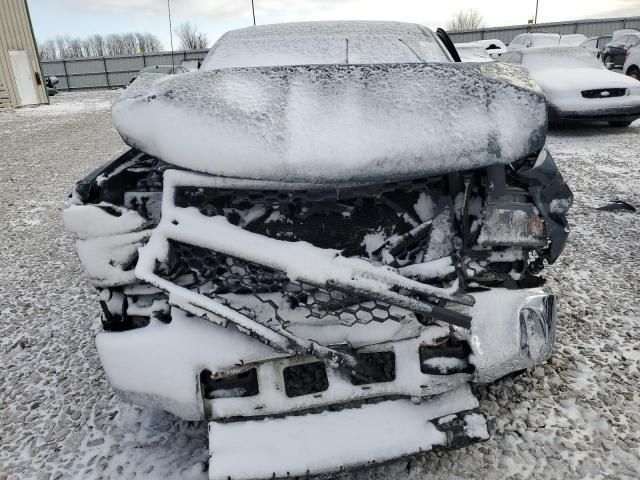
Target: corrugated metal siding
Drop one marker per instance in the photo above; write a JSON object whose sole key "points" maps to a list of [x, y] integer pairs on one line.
{"points": [[590, 28], [16, 34], [100, 72]]}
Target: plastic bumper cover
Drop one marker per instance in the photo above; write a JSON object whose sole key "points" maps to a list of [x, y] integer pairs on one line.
{"points": [[159, 365]]}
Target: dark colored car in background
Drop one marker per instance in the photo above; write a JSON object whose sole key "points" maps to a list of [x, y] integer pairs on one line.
{"points": [[51, 82], [615, 53]]}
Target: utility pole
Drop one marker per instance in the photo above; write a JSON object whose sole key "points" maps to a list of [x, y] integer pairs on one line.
{"points": [[535, 18], [170, 34], [253, 10]]}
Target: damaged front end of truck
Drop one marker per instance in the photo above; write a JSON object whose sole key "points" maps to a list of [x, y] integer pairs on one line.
{"points": [[324, 322]]}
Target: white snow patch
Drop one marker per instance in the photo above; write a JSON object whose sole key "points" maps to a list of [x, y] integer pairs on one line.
{"points": [[425, 207], [475, 425], [445, 364]]}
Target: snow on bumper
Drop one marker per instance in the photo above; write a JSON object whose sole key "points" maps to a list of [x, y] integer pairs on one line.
{"points": [[160, 365], [325, 442]]}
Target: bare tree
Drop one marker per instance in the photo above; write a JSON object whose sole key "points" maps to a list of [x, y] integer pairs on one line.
{"points": [[153, 43], [190, 37], [98, 45], [47, 50], [130, 43], [114, 44], [62, 45], [469, 19]]}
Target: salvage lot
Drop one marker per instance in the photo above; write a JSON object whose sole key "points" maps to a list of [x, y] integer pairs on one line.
{"points": [[574, 417]]}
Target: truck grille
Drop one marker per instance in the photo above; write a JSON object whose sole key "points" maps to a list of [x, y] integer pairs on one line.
{"points": [[337, 219], [258, 291]]}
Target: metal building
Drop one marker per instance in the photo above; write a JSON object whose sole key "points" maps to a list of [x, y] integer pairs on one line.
{"points": [[21, 80]]}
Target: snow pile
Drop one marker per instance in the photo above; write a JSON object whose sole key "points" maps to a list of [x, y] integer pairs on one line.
{"points": [[309, 43], [335, 122]]}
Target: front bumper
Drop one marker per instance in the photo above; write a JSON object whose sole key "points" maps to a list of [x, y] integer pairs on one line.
{"points": [[624, 113], [321, 443], [160, 365]]}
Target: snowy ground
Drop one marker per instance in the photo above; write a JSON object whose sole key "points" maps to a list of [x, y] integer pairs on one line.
{"points": [[575, 417]]}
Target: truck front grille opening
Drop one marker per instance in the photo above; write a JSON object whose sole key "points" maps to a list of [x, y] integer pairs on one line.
{"points": [[447, 358], [374, 367], [305, 379], [244, 384]]}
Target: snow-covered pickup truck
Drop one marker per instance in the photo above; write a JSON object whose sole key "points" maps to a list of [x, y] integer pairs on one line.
{"points": [[321, 240]]}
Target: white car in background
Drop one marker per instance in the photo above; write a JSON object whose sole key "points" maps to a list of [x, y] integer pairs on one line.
{"points": [[573, 40], [632, 63], [527, 40], [578, 87], [473, 52], [595, 45], [493, 46]]}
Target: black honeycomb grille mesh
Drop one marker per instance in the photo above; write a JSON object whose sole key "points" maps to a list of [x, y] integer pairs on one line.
{"points": [[259, 291]]}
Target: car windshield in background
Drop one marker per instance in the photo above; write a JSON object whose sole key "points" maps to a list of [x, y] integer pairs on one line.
{"points": [[550, 40], [162, 70], [316, 43], [553, 58]]}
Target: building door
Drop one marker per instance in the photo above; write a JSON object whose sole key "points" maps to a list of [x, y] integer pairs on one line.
{"points": [[23, 77]]}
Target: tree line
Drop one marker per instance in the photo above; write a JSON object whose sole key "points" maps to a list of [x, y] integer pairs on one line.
{"points": [[98, 45]]}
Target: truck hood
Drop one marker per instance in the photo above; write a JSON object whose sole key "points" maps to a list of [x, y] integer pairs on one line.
{"points": [[335, 123]]}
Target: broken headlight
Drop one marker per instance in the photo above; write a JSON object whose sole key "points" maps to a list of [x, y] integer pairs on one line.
{"points": [[512, 223]]}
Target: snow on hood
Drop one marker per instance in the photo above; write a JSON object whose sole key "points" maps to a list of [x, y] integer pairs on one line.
{"points": [[335, 123], [578, 79], [571, 69]]}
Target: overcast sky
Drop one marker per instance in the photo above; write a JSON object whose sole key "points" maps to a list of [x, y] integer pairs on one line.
{"points": [[84, 17]]}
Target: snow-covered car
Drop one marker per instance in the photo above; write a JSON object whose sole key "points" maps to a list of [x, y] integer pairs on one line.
{"points": [[539, 39], [631, 65], [532, 39], [578, 87], [493, 46], [615, 52], [472, 52], [572, 40], [321, 240], [596, 45]]}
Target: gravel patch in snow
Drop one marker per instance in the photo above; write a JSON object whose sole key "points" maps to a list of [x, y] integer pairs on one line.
{"points": [[574, 417]]}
